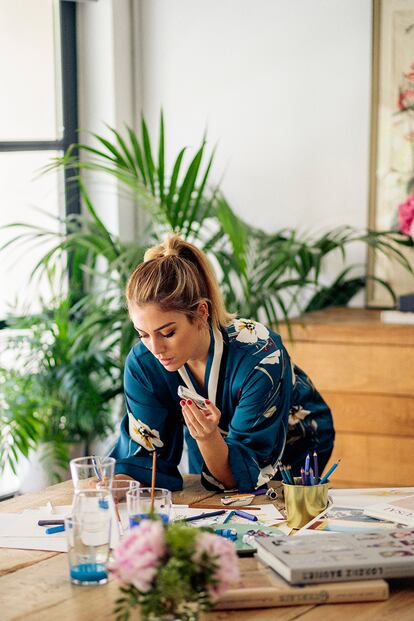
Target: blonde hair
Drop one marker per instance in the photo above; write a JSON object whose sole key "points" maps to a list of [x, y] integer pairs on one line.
{"points": [[176, 275]]}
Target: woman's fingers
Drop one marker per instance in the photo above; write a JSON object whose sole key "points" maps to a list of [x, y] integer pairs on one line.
{"points": [[200, 423], [194, 427]]}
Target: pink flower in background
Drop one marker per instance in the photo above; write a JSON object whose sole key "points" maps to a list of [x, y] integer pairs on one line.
{"points": [[406, 216], [223, 554], [137, 557]]}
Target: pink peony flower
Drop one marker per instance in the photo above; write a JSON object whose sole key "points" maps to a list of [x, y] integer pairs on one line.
{"points": [[137, 557], [222, 552], [406, 216]]}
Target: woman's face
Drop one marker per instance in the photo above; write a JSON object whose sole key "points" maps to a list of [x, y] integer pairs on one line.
{"points": [[170, 335]]}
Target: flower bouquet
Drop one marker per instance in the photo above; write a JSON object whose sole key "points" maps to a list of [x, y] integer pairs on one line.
{"points": [[173, 571]]}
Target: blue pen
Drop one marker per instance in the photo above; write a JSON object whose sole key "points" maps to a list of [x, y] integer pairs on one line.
{"points": [[315, 466], [201, 516], [55, 529], [228, 517], [247, 516], [311, 477], [283, 473], [331, 469]]}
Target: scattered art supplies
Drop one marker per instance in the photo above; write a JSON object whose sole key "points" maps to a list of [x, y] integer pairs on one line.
{"points": [[399, 510], [244, 535], [267, 515], [261, 587], [340, 557]]}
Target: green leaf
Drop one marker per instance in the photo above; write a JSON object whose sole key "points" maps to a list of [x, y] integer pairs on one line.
{"points": [[149, 162]]}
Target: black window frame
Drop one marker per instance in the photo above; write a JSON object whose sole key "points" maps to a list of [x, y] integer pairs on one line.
{"points": [[68, 59]]}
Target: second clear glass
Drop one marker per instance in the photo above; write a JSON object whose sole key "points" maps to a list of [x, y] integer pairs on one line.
{"points": [[141, 505]]}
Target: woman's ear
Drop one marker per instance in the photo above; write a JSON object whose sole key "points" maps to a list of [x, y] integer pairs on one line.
{"points": [[202, 311]]}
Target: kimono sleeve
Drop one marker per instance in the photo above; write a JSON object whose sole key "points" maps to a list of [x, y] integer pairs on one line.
{"points": [[257, 432], [149, 424]]}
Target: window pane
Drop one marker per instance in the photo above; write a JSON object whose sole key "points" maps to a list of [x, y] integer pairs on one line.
{"points": [[23, 192], [30, 108]]}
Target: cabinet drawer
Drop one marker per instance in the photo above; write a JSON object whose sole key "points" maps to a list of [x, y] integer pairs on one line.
{"points": [[376, 461], [365, 413], [354, 368]]}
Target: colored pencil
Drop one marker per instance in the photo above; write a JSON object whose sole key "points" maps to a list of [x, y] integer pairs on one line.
{"points": [[315, 465], [327, 475]]}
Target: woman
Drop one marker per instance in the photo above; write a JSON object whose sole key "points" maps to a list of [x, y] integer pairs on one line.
{"points": [[259, 407]]}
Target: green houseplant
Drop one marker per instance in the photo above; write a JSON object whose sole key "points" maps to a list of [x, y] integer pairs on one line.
{"points": [[266, 276], [59, 393]]}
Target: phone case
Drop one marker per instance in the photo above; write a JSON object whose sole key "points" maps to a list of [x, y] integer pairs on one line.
{"points": [[186, 393]]}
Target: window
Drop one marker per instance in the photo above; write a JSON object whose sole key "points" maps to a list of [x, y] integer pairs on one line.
{"points": [[38, 120]]}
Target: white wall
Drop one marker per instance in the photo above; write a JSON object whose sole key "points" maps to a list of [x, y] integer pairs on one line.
{"points": [[107, 82], [283, 87]]}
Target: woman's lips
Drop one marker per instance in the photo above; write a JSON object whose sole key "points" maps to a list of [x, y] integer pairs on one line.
{"points": [[166, 361]]}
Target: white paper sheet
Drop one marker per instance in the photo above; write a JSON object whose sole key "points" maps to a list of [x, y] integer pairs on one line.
{"points": [[365, 497], [21, 530]]}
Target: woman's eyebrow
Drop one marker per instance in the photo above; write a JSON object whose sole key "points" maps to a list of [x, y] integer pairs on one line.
{"points": [[158, 329]]}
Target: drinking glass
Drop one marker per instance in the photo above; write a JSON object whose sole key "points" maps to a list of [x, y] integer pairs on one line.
{"points": [[141, 506], [118, 490], [86, 470], [88, 536]]}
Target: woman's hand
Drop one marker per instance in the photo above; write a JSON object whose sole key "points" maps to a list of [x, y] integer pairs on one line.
{"points": [[202, 424]]}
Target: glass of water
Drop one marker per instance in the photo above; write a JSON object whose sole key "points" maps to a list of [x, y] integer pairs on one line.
{"points": [[142, 506], [88, 533]]}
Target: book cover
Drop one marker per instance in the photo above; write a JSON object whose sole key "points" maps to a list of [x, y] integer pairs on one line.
{"points": [[395, 316], [340, 557], [261, 587], [399, 510]]}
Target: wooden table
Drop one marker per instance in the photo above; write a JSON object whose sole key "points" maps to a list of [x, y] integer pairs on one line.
{"points": [[34, 585]]}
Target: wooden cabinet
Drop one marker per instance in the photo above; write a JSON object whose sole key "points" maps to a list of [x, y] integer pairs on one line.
{"points": [[364, 369]]}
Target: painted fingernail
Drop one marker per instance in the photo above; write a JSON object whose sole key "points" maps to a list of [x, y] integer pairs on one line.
{"points": [[182, 402], [207, 402], [189, 402]]}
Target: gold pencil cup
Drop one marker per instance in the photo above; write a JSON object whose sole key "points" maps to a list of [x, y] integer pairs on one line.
{"points": [[304, 502]]}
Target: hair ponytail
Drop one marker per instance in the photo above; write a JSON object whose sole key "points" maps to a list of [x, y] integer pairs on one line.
{"points": [[177, 276]]}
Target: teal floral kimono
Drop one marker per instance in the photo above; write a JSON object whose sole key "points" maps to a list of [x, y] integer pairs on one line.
{"points": [[270, 410]]}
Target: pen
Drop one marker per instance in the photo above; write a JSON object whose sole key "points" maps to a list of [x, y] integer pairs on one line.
{"points": [[228, 517], [201, 516], [50, 522], [331, 469], [247, 516], [315, 466], [283, 474], [55, 529], [311, 477]]}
